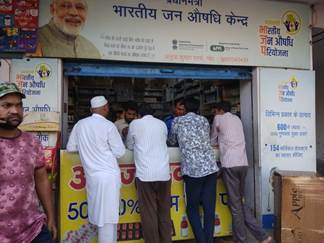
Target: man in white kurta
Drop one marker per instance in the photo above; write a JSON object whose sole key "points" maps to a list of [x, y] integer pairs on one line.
{"points": [[99, 144]]}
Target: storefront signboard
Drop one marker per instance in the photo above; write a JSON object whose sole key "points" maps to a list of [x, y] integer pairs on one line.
{"points": [[287, 125], [74, 226], [223, 32]]}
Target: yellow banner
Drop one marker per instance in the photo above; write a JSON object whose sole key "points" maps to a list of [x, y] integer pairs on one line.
{"points": [[74, 226]]}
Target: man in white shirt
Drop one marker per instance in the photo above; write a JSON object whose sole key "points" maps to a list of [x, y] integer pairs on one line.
{"points": [[147, 137], [227, 133], [99, 144]]}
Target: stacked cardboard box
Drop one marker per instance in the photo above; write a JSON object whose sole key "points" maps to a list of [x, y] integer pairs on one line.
{"points": [[299, 207]]}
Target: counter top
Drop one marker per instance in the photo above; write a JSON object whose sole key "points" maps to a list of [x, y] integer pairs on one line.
{"points": [[174, 154]]}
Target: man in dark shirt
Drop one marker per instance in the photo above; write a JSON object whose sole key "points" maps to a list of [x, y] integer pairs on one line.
{"points": [[179, 110]]}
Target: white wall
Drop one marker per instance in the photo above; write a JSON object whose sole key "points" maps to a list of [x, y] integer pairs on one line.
{"points": [[318, 57]]}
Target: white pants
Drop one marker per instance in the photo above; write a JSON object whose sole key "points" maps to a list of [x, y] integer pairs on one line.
{"points": [[107, 233]]}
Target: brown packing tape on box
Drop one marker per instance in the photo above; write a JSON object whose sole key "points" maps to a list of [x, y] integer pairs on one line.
{"points": [[299, 207]]}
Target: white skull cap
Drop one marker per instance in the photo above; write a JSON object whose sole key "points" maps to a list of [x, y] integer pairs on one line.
{"points": [[98, 101]]}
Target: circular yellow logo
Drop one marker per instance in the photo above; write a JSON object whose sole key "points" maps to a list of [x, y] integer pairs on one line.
{"points": [[43, 71], [292, 22]]}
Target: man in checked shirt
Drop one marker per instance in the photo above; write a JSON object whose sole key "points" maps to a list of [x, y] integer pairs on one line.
{"points": [[198, 168]]}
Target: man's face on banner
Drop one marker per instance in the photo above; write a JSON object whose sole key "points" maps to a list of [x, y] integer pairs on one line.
{"points": [[69, 15]]}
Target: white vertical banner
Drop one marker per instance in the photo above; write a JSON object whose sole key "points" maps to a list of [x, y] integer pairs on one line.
{"points": [[40, 80], [287, 125]]}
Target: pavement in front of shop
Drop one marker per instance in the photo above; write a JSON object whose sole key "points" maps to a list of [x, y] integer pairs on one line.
{"points": [[228, 239]]}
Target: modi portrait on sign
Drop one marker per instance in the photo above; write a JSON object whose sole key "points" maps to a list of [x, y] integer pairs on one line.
{"points": [[61, 36]]}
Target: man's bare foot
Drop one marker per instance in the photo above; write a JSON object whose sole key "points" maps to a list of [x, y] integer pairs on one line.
{"points": [[267, 240]]}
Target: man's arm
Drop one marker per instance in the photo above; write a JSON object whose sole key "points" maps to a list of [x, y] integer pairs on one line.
{"points": [[115, 142], [130, 138], [43, 190], [172, 136], [214, 132], [72, 145]]}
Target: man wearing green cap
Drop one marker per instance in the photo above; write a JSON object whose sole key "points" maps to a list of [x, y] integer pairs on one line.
{"points": [[23, 177]]}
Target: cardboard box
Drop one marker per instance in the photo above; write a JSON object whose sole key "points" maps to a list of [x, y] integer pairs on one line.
{"points": [[298, 207]]}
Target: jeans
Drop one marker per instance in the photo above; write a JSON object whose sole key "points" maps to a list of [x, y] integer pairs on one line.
{"points": [[202, 191], [44, 236]]}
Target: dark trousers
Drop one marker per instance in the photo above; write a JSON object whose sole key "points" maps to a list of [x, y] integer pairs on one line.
{"points": [[202, 191], [234, 181], [154, 200], [44, 236]]}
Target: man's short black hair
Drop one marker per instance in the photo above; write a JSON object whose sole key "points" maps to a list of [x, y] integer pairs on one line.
{"points": [[179, 101], [223, 105], [145, 109], [131, 105], [191, 104]]}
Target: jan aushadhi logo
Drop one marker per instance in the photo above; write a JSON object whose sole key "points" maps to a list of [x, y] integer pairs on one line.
{"points": [[43, 71], [287, 90], [292, 22]]}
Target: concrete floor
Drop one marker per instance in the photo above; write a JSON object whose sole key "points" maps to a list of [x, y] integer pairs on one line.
{"points": [[217, 240], [226, 239]]}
